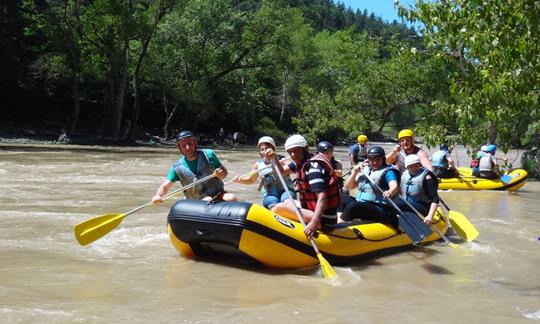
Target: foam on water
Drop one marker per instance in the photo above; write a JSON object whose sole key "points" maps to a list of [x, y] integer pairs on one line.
{"points": [[528, 314]]}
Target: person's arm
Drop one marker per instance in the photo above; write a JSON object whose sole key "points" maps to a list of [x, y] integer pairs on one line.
{"points": [[338, 170], [352, 180], [219, 169], [162, 191], [431, 186], [393, 189], [424, 159], [320, 207], [247, 180], [392, 156], [450, 162], [353, 151]]}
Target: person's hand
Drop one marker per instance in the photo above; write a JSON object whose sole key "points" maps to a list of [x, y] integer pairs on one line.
{"points": [[157, 199], [396, 148], [387, 194], [428, 220], [220, 173], [236, 179], [269, 154], [358, 167], [311, 228]]}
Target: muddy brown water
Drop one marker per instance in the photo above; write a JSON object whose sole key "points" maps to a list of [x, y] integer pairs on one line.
{"points": [[135, 274]]}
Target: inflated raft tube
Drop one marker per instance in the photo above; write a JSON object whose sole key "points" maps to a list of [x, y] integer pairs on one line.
{"points": [[245, 230], [466, 181]]}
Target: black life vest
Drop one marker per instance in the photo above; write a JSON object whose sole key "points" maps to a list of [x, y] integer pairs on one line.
{"points": [[308, 199]]}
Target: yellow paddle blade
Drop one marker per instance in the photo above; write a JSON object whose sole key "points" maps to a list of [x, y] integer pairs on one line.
{"points": [[452, 245], [326, 268], [95, 228], [463, 226]]}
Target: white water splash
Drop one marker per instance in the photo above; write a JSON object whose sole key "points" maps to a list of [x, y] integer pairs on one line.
{"points": [[529, 315]]}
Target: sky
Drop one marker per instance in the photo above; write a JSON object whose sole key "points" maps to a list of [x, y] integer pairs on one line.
{"points": [[381, 8]]}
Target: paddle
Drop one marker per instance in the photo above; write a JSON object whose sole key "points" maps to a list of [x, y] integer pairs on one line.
{"points": [[460, 223], [97, 227], [249, 173], [434, 228], [326, 268], [412, 225]]}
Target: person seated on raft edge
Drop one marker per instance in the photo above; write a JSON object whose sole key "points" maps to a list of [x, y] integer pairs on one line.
{"points": [[195, 164], [488, 167], [406, 147], [370, 202], [419, 186], [317, 186], [269, 184], [443, 164], [358, 151]]}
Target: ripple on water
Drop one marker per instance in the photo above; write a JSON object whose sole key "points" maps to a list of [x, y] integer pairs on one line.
{"points": [[528, 314]]}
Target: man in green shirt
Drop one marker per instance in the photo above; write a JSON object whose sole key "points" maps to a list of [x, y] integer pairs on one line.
{"points": [[195, 164]]}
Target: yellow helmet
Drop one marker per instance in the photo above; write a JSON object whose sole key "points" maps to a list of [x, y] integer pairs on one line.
{"points": [[362, 139], [404, 133]]}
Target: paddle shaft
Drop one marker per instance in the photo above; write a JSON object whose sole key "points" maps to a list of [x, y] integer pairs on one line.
{"points": [[419, 230], [431, 225], [296, 210], [249, 173], [172, 193]]}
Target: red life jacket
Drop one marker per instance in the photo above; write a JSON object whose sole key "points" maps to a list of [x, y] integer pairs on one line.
{"points": [[308, 199]]}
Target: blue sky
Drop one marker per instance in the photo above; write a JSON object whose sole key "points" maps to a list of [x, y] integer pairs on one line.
{"points": [[381, 8]]}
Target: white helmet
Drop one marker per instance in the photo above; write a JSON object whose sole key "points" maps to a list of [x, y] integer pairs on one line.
{"points": [[411, 159], [295, 141], [484, 148], [267, 139]]}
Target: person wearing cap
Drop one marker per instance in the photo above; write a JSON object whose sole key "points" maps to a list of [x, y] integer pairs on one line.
{"points": [[195, 164], [358, 151], [317, 187], [270, 186], [419, 187], [370, 202], [443, 164], [488, 167], [404, 148]]}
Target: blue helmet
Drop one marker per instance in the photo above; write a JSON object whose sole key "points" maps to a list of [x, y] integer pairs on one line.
{"points": [[184, 134], [492, 148]]}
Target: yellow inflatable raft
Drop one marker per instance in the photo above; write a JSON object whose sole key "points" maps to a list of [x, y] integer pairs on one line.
{"points": [[466, 181], [246, 230]]}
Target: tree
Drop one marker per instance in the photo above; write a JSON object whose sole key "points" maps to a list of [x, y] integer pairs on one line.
{"points": [[495, 46]]}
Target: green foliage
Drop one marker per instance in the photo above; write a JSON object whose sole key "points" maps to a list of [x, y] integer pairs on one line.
{"points": [[495, 46]]}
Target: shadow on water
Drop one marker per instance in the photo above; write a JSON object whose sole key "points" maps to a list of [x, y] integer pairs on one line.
{"points": [[428, 253]]}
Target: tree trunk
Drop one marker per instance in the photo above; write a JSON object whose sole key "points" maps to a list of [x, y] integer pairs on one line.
{"points": [[492, 132], [118, 108]]}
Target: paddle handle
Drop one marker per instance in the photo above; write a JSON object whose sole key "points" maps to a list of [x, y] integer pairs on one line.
{"points": [[296, 210], [444, 204]]}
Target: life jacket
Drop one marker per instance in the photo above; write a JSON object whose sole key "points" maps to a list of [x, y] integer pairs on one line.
{"points": [[486, 163], [439, 160], [412, 187], [308, 199], [366, 190], [362, 153], [401, 158], [270, 184], [210, 187]]}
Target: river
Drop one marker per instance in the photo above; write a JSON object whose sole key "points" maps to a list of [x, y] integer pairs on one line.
{"points": [[134, 274]]}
